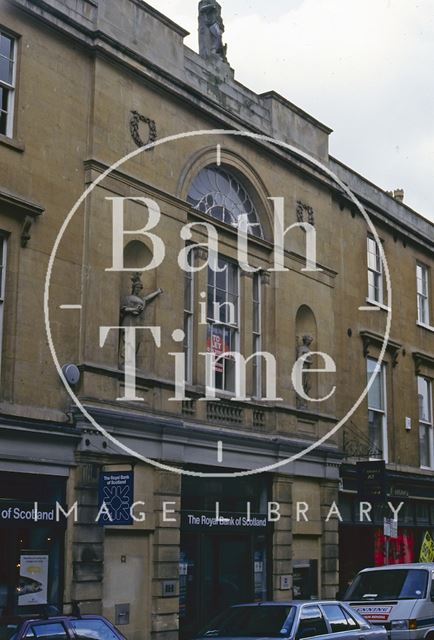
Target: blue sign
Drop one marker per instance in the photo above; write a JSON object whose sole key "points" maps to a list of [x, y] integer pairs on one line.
{"points": [[116, 497]]}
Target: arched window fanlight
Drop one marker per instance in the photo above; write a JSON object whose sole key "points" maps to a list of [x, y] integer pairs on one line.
{"points": [[219, 194]]}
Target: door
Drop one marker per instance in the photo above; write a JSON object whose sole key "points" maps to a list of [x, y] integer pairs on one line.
{"points": [[227, 573], [216, 571]]}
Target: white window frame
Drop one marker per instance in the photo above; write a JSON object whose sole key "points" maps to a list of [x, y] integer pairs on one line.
{"points": [[257, 334], [377, 273], [10, 87], [235, 327], [422, 296], [189, 281], [3, 263], [383, 410], [426, 424]]}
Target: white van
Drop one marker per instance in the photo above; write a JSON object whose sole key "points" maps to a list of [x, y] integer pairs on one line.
{"points": [[399, 597]]}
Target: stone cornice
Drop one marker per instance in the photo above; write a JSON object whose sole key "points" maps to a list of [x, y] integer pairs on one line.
{"points": [[422, 359], [369, 338]]}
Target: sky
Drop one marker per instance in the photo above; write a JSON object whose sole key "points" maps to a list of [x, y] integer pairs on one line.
{"points": [[365, 68]]}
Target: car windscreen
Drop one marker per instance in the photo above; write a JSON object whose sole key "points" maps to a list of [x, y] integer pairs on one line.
{"points": [[389, 584], [273, 621]]}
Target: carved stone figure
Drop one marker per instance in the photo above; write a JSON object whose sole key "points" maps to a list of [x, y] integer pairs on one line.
{"points": [[211, 29], [132, 311], [303, 349]]}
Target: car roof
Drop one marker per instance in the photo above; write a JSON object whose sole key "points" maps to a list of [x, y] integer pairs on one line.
{"points": [[409, 565], [41, 618]]}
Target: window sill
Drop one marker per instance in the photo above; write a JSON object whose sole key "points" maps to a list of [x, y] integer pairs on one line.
{"points": [[379, 305], [12, 143], [428, 327]]}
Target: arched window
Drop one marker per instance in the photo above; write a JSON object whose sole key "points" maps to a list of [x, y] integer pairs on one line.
{"points": [[220, 195]]}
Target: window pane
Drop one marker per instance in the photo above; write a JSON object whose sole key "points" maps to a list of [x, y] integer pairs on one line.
{"points": [[422, 309], [232, 279], [425, 445], [3, 123], [188, 292], [6, 46], [375, 421], [6, 70], [422, 278], [53, 631], [336, 617], [375, 393], [93, 630], [4, 93], [217, 193], [424, 391]]}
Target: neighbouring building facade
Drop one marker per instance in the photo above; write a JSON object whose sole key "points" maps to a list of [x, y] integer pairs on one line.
{"points": [[83, 84]]}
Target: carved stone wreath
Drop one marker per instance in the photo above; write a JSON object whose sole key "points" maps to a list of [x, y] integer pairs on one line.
{"points": [[135, 120], [302, 209]]}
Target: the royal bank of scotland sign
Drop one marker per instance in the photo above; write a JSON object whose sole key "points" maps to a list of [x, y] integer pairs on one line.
{"points": [[116, 496]]}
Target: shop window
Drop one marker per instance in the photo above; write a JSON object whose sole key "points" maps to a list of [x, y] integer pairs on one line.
{"points": [[257, 335], [375, 272], [219, 194], [377, 414], [7, 83], [223, 322], [425, 422], [422, 294]]}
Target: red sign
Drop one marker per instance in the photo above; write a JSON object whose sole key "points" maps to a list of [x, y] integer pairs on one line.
{"points": [[216, 345], [401, 549], [375, 613]]}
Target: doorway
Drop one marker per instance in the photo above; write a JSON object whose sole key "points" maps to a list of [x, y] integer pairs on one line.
{"points": [[216, 572]]}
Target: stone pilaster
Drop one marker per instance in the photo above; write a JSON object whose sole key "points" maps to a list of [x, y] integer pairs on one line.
{"points": [[282, 537], [87, 541], [165, 609], [329, 542]]}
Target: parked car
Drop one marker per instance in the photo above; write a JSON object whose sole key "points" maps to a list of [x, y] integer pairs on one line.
{"points": [[400, 597], [86, 627], [293, 620]]}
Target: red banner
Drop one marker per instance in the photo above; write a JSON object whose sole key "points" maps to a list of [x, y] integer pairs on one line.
{"points": [[401, 549]]}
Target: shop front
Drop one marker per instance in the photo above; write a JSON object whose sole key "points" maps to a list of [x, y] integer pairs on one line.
{"points": [[31, 542], [370, 542], [225, 546]]}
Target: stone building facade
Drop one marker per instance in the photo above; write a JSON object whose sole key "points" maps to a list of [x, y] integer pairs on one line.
{"points": [[87, 83]]}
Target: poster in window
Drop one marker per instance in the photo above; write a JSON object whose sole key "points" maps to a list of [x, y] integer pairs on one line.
{"points": [[216, 345], [33, 581]]}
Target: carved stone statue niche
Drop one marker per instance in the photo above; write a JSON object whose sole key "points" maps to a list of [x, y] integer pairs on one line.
{"points": [[211, 29], [303, 349], [132, 312]]}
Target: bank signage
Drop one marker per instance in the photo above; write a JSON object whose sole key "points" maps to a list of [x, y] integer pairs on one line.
{"points": [[15, 512], [207, 520], [116, 497]]}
